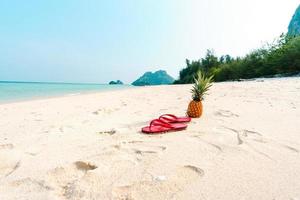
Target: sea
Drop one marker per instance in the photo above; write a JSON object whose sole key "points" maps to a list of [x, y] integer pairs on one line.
{"points": [[11, 91]]}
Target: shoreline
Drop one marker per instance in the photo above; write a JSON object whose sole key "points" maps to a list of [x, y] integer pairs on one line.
{"points": [[132, 87], [36, 98]]}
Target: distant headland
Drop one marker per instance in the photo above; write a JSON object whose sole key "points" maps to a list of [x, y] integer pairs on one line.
{"points": [[159, 77]]}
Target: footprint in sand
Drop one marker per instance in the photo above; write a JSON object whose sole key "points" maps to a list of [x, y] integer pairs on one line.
{"points": [[228, 136], [64, 179], [135, 151], [10, 160], [39, 185], [38, 189], [140, 149], [257, 137], [247, 137], [81, 180], [242, 137], [225, 113], [200, 138], [231, 137], [152, 189], [148, 149]]}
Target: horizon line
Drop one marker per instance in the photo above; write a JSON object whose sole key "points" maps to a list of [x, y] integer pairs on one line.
{"points": [[50, 82]]}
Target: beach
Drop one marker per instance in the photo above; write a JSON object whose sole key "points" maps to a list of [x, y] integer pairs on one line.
{"points": [[245, 146]]}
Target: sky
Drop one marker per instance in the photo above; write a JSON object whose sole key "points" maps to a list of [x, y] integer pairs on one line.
{"points": [[96, 41]]}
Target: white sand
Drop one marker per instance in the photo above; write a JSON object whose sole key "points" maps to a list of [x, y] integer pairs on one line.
{"points": [[245, 146]]}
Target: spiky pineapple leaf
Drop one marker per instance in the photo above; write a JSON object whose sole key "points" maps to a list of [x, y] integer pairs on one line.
{"points": [[201, 86]]}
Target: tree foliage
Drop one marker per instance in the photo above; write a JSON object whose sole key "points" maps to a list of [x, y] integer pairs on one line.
{"points": [[280, 57]]}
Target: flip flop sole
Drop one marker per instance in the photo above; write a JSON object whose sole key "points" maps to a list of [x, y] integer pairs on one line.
{"points": [[161, 129]]}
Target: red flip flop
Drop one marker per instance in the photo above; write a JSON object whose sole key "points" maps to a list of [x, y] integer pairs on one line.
{"points": [[174, 119], [159, 126]]}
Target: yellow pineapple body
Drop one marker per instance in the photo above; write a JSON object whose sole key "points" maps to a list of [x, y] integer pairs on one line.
{"points": [[195, 109]]}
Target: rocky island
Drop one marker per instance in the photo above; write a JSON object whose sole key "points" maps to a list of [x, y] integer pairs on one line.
{"points": [[159, 77], [117, 82]]}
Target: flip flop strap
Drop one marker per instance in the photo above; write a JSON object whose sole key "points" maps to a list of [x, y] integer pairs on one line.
{"points": [[168, 117], [159, 122]]}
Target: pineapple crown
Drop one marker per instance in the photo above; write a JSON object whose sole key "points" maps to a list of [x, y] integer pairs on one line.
{"points": [[201, 86]]}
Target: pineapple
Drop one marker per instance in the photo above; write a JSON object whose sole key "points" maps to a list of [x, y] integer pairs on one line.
{"points": [[200, 88]]}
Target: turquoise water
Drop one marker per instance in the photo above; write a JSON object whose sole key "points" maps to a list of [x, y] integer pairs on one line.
{"points": [[18, 91]]}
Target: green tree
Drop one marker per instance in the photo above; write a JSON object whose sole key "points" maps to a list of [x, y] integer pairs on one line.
{"points": [[280, 57]]}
